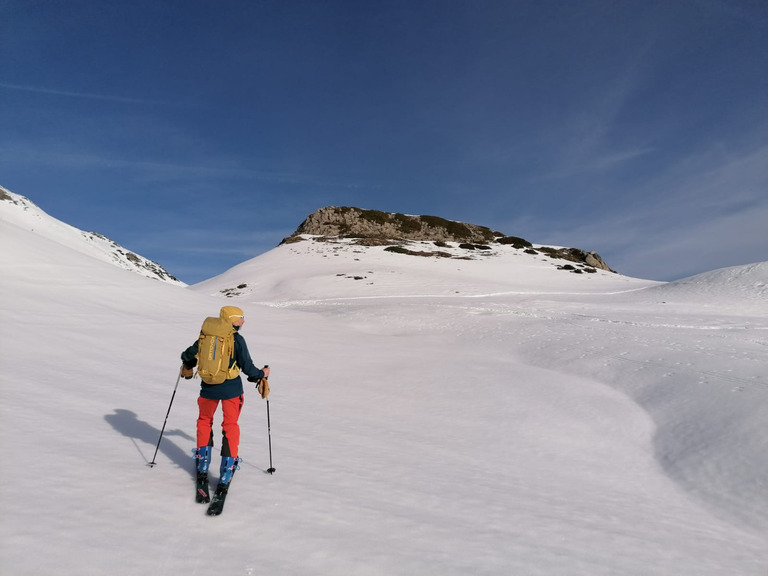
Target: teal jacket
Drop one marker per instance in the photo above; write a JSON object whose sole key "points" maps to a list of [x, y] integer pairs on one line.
{"points": [[233, 387]]}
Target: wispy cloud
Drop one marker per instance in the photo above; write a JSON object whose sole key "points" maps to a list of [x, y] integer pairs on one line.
{"points": [[199, 256], [146, 171], [707, 244], [71, 94], [232, 237], [590, 137], [706, 211]]}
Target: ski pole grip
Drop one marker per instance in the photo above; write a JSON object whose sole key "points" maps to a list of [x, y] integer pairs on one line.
{"points": [[260, 379]]}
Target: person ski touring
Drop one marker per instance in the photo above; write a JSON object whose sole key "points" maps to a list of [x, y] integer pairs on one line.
{"points": [[220, 354]]}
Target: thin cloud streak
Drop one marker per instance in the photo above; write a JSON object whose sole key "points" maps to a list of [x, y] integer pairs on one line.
{"points": [[705, 211], [149, 172], [70, 94], [586, 142], [679, 252]]}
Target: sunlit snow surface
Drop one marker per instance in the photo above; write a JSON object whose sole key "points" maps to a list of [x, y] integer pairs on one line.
{"points": [[492, 415]]}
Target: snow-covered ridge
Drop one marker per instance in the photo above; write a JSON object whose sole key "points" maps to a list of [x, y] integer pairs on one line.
{"points": [[22, 212], [747, 282], [319, 267]]}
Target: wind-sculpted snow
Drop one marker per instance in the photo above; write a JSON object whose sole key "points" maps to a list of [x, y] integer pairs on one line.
{"points": [[490, 416], [740, 285]]}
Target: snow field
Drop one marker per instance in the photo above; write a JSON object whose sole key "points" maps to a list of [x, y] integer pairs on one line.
{"points": [[461, 417]]}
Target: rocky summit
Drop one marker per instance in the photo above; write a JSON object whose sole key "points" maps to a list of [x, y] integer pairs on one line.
{"points": [[374, 224], [374, 227]]}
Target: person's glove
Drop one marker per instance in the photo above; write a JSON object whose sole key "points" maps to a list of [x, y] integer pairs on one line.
{"points": [[262, 385], [263, 388], [187, 372]]}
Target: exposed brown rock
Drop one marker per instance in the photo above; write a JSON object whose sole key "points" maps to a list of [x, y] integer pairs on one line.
{"points": [[376, 228], [359, 223]]}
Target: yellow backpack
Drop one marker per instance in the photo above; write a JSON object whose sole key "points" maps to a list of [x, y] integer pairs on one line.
{"points": [[215, 350]]}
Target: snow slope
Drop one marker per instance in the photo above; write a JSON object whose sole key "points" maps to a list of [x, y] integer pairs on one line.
{"points": [[22, 212], [429, 416], [318, 268]]}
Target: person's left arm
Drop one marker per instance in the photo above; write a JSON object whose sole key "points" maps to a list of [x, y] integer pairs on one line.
{"points": [[245, 362]]}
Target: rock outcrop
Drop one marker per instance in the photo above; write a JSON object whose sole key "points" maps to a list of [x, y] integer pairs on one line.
{"points": [[358, 223], [373, 227]]}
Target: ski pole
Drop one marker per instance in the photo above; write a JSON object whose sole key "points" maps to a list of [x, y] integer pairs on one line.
{"points": [[151, 464], [271, 470]]}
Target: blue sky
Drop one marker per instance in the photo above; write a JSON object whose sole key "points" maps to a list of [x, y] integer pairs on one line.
{"points": [[199, 133]]}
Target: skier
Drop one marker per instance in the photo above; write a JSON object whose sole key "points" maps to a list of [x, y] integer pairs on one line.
{"points": [[230, 393]]}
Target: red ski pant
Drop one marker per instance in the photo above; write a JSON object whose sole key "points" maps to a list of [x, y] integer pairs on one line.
{"points": [[230, 428]]}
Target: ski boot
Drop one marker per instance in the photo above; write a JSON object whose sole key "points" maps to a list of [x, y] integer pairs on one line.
{"points": [[203, 458], [227, 470]]}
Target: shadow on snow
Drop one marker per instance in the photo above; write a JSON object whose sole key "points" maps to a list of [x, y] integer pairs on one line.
{"points": [[128, 424]]}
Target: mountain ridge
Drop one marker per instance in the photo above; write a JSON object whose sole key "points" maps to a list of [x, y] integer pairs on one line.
{"points": [[21, 211]]}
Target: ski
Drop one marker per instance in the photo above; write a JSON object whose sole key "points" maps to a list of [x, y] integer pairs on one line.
{"points": [[216, 506], [203, 491], [228, 467]]}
